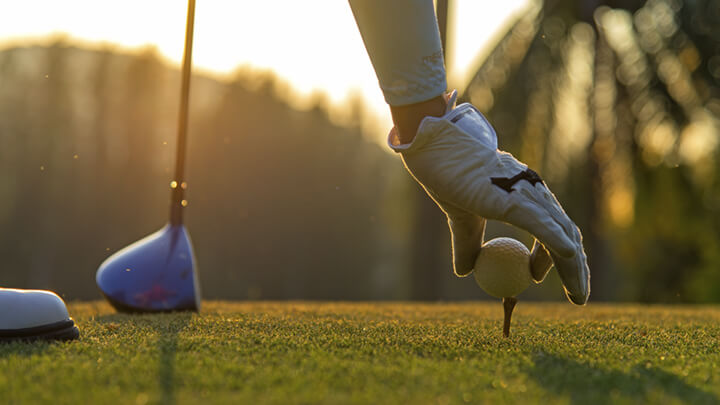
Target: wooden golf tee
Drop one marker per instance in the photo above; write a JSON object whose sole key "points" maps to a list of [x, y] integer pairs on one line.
{"points": [[508, 305]]}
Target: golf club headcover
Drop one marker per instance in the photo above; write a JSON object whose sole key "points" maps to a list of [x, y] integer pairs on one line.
{"points": [[456, 160], [24, 309]]}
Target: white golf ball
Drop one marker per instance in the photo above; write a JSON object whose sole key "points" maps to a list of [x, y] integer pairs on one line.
{"points": [[502, 268]]}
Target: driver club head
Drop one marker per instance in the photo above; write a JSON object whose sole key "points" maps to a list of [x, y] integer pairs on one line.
{"points": [[155, 274]]}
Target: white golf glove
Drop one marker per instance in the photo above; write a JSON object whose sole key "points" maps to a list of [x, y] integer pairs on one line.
{"points": [[456, 160]]}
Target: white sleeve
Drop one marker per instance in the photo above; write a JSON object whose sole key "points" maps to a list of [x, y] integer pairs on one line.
{"points": [[403, 42]]}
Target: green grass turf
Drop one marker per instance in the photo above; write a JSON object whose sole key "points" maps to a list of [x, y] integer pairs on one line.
{"points": [[374, 353]]}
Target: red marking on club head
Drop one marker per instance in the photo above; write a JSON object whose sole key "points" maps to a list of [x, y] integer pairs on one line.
{"points": [[157, 293]]}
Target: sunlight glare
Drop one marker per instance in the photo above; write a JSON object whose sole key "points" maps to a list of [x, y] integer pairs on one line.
{"points": [[315, 46]]}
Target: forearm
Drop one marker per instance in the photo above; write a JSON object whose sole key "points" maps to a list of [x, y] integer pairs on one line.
{"points": [[403, 42]]}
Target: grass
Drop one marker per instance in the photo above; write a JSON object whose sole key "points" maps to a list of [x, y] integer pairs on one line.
{"points": [[374, 353]]}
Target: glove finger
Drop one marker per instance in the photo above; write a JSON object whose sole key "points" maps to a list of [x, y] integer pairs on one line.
{"points": [[539, 196], [573, 269], [535, 219], [467, 232], [540, 210], [544, 197], [568, 257], [540, 262], [576, 281]]}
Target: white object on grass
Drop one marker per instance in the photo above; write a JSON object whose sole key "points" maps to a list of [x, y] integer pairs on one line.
{"points": [[34, 314], [502, 269]]}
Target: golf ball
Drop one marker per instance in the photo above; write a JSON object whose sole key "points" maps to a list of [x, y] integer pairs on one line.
{"points": [[502, 269]]}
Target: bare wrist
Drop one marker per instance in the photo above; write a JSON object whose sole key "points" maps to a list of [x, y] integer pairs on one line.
{"points": [[407, 118]]}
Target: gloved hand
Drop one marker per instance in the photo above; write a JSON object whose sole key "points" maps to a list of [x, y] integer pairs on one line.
{"points": [[456, 160]]}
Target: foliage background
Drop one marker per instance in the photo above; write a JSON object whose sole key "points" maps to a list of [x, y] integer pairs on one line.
{"points": [[616, 103]]}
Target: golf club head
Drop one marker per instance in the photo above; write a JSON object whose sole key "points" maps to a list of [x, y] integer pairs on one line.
{"points": [[155, 274]]}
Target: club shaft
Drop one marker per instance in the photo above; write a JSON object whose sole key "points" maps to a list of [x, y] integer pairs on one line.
{"points": [[178, 189]]}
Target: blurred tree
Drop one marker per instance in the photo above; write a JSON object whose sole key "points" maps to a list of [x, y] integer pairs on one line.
{"points": [[283, 203], [616, 103]]}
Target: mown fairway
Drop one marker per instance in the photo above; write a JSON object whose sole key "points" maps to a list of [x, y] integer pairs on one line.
{"points": [[368, 353]]}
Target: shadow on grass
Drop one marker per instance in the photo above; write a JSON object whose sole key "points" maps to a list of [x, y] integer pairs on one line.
{"points": [[168, 332], [168, 327], [587, 384]]}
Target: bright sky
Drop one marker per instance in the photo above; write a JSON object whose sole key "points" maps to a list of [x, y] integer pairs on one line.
{"points": [[313, 44]]}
